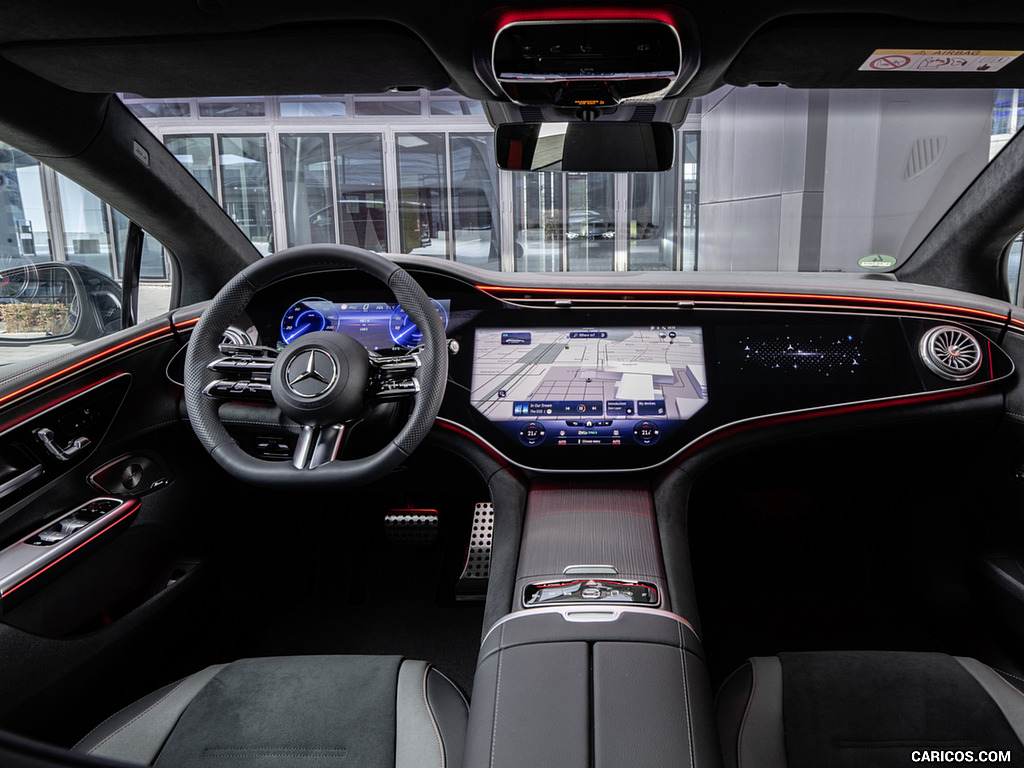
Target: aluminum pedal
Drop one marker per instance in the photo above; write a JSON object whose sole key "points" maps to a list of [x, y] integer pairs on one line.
{"points": [[478, 557]]}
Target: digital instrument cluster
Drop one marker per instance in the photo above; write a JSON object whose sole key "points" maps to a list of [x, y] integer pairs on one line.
{"points": [[377, 325]]}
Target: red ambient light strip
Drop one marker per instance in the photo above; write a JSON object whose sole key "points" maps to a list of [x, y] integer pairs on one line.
{"points": [[747, 295], [77, 366], [70, 396], [838, 410], [127, 516], [758, 422], [83, 363], [585, 14], [460, 430]]}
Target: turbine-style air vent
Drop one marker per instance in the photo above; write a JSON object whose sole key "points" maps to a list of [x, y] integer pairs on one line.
{"points": [[951, 353]]}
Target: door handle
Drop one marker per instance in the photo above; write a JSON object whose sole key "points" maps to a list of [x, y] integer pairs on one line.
{"points": [[48, 439]]}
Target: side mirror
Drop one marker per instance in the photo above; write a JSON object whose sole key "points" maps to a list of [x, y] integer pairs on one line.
{"points": [[56, 302], [610, 147]]}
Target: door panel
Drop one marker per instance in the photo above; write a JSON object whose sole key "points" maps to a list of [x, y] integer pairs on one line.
{"points": [[84, 619]]}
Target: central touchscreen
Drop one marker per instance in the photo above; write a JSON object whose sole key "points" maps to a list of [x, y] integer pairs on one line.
{"points": [[588, 386]]}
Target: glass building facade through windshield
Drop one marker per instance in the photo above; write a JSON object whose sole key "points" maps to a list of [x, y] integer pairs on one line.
{"points": [[765, 179], [415, 173]]}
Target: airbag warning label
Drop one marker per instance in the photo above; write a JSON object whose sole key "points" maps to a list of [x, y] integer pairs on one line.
{"points": [[937, 60]]}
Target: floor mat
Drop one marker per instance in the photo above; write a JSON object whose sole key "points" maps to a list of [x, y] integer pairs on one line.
{"points": [[377, 597]]}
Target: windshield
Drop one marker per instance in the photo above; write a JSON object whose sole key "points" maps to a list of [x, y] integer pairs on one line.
{"points": [[765, 179]]}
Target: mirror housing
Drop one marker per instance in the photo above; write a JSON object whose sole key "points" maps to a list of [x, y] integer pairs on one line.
{"points": [[56, 302], [598, 146]]}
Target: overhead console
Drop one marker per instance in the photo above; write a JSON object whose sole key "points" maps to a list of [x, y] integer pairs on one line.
{"points": [[587, 57]]}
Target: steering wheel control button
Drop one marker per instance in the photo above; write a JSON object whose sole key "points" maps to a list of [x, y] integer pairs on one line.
{"points": [[311, 373], [646, 433], [246, 372], [532, 433], [397, 388]]}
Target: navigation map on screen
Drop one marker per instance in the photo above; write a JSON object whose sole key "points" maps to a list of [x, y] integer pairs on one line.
{"points": [[600, 386]]}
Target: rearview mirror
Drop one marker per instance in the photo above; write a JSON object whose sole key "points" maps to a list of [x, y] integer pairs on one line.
{"points": [[608, 147]]}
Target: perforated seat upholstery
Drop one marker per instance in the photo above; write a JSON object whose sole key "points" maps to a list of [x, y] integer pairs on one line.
{"points": [[308, 711], [853, 709]]}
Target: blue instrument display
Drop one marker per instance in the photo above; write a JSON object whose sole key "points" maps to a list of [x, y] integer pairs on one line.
{"points": [[376, 325]]}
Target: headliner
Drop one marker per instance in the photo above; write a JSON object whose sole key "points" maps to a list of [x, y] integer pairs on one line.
{"points": [[250, 47]]}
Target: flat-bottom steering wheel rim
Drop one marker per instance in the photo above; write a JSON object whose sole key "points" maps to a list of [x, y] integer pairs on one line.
{"points": [[231, 301]]}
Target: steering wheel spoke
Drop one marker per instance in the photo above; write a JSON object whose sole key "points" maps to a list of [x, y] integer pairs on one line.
{"points": [[318, 445], [392, 377]]}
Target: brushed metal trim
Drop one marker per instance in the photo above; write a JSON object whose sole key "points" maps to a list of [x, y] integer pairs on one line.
{"points": [[22, 562], [20, 480], [589, 614], [588, 570]]}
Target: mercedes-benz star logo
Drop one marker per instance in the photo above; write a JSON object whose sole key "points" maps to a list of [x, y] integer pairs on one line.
{"points": [[311, 373]]}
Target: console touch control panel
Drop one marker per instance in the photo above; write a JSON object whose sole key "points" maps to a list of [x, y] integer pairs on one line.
{"points": [[576, 591]]}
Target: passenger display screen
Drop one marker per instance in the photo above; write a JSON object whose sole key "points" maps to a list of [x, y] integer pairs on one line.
{"points": [[607, 386]]}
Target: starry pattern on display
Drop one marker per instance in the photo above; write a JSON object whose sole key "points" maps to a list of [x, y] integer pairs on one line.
{"points": [[821, 355]]}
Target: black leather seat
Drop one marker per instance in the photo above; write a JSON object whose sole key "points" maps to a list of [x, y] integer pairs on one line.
{"points": [[367, 711], [852, 709]]}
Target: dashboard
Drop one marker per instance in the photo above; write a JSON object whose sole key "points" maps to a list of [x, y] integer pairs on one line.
{"points": [[620, 382]]}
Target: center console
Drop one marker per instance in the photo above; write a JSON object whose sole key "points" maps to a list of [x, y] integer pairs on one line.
{"points": [[591, 686], [589, 543], [591, 668]]}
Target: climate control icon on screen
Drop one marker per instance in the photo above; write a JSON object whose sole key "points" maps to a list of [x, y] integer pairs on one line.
{"points": [[646, 432], [532, 433]]}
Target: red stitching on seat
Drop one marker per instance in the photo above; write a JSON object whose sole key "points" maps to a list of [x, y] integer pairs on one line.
{"points": [[1008, 683]]}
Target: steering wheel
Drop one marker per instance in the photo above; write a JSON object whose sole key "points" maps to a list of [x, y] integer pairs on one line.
{"points": [[324, 380]]}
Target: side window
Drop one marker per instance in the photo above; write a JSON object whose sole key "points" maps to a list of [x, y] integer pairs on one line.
{"points": [[1013, 265], [62, 255]]}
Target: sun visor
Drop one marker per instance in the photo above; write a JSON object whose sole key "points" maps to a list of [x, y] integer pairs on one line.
{"points": [[276, 61], [879, 52]]}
